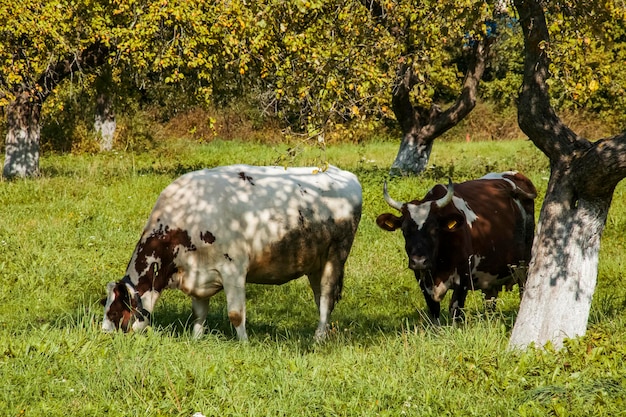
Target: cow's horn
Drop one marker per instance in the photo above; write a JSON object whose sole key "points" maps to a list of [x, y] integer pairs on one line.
{"points": [[393, 203], [445, 200]]}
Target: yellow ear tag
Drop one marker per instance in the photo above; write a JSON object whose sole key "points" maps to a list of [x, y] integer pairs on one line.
{"points": [[389, 223], [451, 224]]}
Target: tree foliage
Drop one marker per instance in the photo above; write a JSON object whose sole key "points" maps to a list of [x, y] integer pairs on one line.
{"points": [[588, 52], [311, 63]]}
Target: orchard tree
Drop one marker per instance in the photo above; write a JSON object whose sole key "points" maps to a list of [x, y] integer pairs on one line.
{"points": [[42, 45], [431, 36], [328, 63], [563, 271], [314, 64], [144, 44]]}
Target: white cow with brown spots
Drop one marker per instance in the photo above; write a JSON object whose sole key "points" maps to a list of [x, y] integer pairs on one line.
{"points": [[221, 228]]}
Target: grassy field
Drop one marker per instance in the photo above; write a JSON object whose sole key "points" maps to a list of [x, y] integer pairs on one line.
{"points": [[65, 235]]}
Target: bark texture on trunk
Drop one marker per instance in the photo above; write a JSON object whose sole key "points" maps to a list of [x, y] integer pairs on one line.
{"points": [[412, 157], [22, 139], [563, 271]]}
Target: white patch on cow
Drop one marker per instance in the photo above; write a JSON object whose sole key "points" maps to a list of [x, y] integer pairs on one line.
{"points": [[419, 213], [484, 280], [461, 205], [133, 274], [140, 325], [440, 290], [107, 325], [501, 176], [149, 299]]}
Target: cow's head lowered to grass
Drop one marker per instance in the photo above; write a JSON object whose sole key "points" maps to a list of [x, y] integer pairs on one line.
{"points": [[466, 236], [124, 308]]}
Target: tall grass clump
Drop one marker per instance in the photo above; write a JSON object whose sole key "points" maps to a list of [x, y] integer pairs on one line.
{"points": [[64, 235]]}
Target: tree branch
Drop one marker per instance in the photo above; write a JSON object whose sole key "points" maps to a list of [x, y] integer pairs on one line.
{"points": [[537, 118], [93, 56], [603, 165], [465, 103], [378, 13]]}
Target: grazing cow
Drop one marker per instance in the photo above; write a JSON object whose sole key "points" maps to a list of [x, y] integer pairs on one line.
{"points": [[473, 235], [221, 228]]}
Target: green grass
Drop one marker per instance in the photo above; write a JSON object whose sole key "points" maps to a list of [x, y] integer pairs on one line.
{"points": [[65, 235]]}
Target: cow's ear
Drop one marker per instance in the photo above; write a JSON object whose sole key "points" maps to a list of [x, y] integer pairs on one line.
{"points": [[452, 223], [389, 222]]}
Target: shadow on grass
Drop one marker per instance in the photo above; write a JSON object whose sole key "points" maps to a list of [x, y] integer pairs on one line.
{"points": [[296, 321], [291, 314], [292, 317]]}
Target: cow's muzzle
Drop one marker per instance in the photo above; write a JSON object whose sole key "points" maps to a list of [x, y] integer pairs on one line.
{"points": [[419, 263]]}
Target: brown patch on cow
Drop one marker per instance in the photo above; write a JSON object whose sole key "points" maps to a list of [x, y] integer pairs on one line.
{"points": [[120, 309], [164, 244], [207, 237], [235, 318], [227, 256], [245, 177]]}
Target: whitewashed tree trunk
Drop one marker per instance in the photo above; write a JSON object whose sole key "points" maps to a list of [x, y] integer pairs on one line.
{"points": [[412, 157], [24, 112], [22, 140], [563, 271], [105, 123], [421, 126]]}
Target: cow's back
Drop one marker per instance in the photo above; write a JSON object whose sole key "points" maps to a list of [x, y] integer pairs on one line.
{"points": [[248, 200]]}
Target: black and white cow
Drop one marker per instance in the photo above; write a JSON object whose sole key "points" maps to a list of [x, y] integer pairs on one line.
{"points": [[221, 228], [466, 236]]}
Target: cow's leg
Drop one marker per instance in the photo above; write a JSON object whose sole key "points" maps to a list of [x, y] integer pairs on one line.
{"points": [[235, 291], [315, 281], [324, 301], [148, 301], [200, 307], [327, 285], [491, 296], [457, 303], [434, 307]]}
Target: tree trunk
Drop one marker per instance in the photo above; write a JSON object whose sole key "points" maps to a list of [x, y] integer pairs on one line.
{"points": [[22, 139], [563, 270], [412, 157], [24, 112], [105, 123], [420, 127]]}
